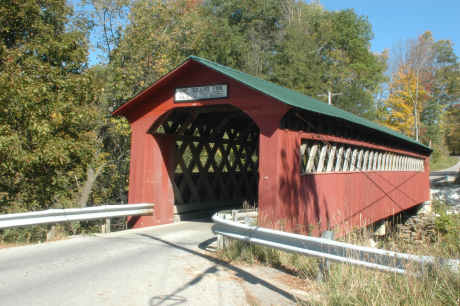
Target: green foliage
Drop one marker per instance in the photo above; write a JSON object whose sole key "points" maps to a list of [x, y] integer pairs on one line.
{"points": [[300, 46], [425, 83], [448, 226], [453, 128], [243, 251], [49, 108], [15, 235], [440, 160], [321, 51], [252, 28], [303, 266], [158, 37], [42, 233], [440, 123], [297, 45], [111, 185]]}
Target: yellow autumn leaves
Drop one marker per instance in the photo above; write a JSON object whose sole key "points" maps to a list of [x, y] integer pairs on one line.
{"points": [[405, 102]]}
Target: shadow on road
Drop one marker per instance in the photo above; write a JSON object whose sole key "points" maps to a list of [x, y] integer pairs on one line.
{"points": [[173, 297], [206, 245]]}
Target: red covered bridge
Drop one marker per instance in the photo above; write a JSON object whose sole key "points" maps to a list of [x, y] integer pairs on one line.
{"points": [[207, 137]]}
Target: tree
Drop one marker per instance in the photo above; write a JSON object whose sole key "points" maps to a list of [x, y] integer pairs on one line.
{"points": [[418, 60], [399, 108], [109, 18], [48, 111], [431, 71], [157, 38], [445, 87], [320, 51], [252, 28], [303, 47], [453, 129]]}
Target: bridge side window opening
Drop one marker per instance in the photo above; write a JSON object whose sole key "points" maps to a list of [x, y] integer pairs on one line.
{"points": [[334, 157]]}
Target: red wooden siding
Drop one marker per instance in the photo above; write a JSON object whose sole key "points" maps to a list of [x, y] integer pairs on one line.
{"points": [[149, 174], [287, 199], [338, 200]]}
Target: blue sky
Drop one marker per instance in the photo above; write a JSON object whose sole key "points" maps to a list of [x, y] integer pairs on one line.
{"points": [[396, 21]]}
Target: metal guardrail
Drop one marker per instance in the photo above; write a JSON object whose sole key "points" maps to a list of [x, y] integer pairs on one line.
{"points": [[442, 179], [372, 258], [74, 214]]}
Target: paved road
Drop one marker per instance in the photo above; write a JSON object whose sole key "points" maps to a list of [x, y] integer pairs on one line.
{"points": [[450, 172], [165, 265]]}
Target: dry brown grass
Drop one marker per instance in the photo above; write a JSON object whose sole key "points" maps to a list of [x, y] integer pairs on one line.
{"points": [[352, 285]]}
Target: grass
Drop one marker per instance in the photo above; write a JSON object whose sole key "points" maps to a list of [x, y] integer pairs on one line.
{"points": [[352, 285], [443, 163], [49, 232]]}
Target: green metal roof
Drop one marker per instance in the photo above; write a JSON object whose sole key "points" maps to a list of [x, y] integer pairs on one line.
{"points": [[299, 100]]}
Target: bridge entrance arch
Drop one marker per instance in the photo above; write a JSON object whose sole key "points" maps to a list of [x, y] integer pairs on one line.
{"points": [[202, 141], [213, 158]]}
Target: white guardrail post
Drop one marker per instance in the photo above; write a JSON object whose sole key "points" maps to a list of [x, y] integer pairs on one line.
{"points": [[74, 214], [327, 249]]}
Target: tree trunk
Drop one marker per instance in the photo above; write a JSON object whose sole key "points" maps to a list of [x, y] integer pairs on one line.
{"points": [[91, 177], [415, 108]]}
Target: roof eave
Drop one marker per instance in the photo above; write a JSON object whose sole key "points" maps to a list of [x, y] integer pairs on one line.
{"points": [[123, 109]]}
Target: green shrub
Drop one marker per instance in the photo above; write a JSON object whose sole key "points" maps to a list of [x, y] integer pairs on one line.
{"points": [[448, 227]]}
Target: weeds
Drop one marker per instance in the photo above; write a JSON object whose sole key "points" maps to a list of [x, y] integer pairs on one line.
{"points": [[42, 233], [352, 285], [448, 227], [302, 266], [349, 285]]}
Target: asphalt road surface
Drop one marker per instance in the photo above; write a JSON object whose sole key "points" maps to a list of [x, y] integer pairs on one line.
{"points": [[165, 265], [449, 172]]}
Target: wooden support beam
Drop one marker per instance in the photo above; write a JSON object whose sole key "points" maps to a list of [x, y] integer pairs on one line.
{"points": [[191, 117], [159, 122], [330, 162], [353, 159], [359, 164], [322, 157], [311, 158], [338, 164], [347, 160]]}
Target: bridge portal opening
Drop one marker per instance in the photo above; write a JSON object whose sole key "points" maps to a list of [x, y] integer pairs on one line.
{"points": [[216, 159]]}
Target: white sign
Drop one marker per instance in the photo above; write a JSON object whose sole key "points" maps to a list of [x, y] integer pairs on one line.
{"points": [[201, 93]]}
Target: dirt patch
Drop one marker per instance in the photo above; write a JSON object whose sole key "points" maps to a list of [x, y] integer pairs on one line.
{"points": [[300, 290], [293, 282]]}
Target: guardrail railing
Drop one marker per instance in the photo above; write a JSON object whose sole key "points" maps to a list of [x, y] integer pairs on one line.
{"points": [[373, 258], [74, 214]]}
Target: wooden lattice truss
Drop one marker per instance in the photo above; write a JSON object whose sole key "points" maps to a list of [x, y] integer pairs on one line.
{"points": [[216, 154], [327, 157]]}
